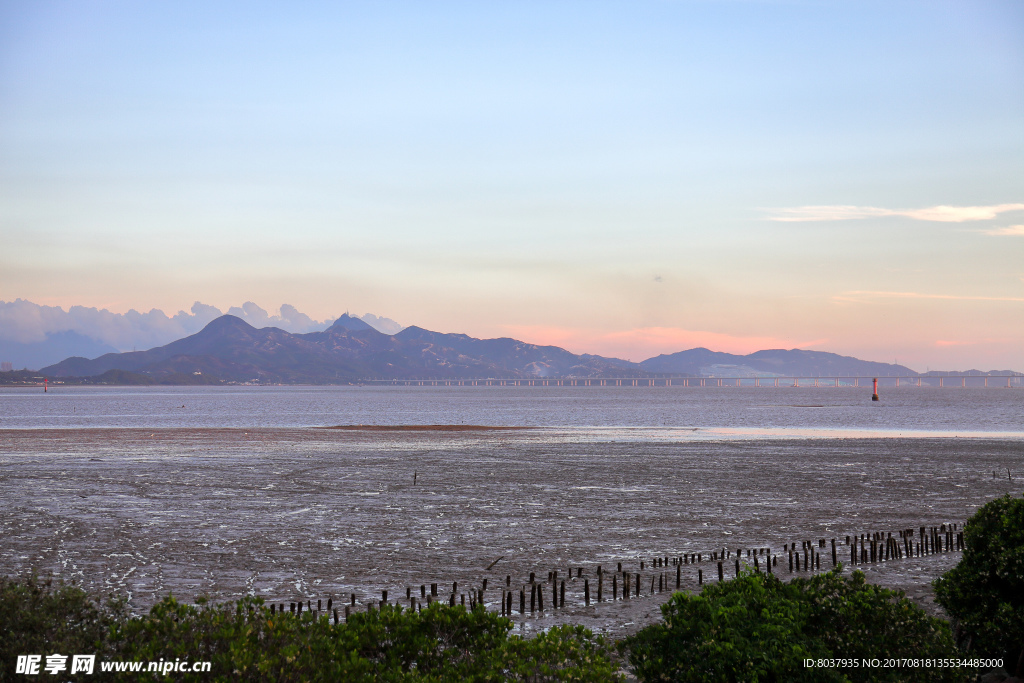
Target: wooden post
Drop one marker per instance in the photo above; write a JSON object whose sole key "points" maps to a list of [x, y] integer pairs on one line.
{"points": [[615, 587], [561, 597], [522, 601], [835, 559], [721, 575], [600, 583], [638, 584], [679, 574], [586, 592], [700, 577]]}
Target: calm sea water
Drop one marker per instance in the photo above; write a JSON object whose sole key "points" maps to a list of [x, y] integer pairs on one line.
{"points": [[643, 413]]}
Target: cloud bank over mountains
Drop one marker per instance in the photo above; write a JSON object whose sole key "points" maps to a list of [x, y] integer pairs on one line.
{"points": [[33, 335]]}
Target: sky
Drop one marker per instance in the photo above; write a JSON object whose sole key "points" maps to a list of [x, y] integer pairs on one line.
{"points": [[621, 178]]}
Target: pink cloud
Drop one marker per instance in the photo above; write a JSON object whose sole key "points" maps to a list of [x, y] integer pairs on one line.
{"points": [[1011, 230], [940, 214], [862, 296]]}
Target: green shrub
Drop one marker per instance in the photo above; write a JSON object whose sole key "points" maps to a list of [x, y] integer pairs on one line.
{"points": [[758, 628], [244, 641], [39, 615], [984, 592], [564, 653]]}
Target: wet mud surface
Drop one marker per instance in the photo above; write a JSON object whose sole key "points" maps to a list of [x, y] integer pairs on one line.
{"points": [[302, 514]]}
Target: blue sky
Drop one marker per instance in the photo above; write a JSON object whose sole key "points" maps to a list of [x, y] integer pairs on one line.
{"points": [[620, 178]]}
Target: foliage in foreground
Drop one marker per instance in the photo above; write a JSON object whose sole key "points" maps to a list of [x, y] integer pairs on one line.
{"points": [[984, 592], [244, 641], [758, 628], [39, 615]]}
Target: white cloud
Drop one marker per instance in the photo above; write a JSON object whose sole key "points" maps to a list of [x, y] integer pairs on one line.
{"points": [[941, 214], [26, 322], [1015, 230]]}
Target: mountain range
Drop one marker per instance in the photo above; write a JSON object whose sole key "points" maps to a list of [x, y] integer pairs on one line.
{"points": [[349, 350], [231, 350]]}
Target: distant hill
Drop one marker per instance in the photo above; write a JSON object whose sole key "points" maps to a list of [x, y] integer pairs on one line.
{"points": [[773, 362], [111, 377], [349, 350]]}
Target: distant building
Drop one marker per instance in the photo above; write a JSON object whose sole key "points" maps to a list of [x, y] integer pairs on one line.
{"points": [[6, 366]]}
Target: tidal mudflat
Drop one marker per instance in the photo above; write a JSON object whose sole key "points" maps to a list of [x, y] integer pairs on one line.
{"points": [[304, 513]]}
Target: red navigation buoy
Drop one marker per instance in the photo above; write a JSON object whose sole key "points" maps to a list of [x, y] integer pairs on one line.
{"points": [[874, 396]]}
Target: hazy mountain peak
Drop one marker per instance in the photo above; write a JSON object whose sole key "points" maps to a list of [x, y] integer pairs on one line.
{"points": [[347, 322], [385, 325], [227, 322]]}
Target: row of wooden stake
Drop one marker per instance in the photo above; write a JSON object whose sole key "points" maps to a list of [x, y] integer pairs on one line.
{"points": [[867, 548]]}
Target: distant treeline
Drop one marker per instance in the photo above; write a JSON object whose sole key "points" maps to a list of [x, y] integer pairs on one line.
{"points": [[111, 377]]}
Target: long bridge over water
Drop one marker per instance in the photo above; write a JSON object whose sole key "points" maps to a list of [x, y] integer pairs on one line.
{"points": [[961, 381]]}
